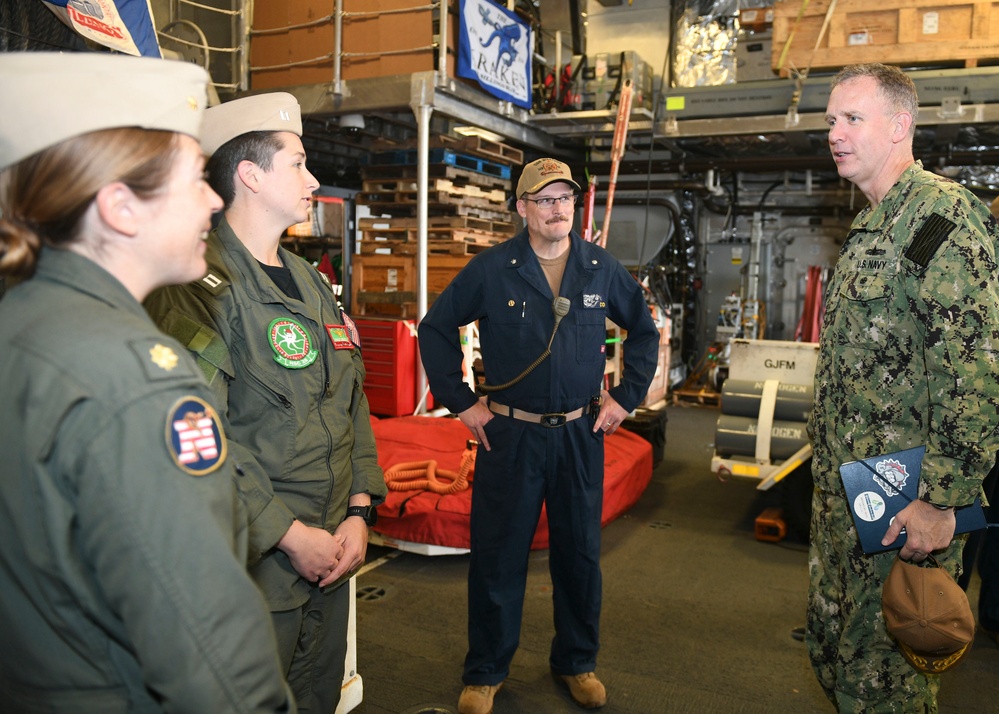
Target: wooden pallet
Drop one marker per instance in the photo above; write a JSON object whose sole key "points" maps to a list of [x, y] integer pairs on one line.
{"points": [[434, 247], [390, 199], [445, 156], [490, 213], [704, 396], [463, 235], [408, 186], [396, 211], [504, 153], [474, 223], [475, 145], [456, 174]]}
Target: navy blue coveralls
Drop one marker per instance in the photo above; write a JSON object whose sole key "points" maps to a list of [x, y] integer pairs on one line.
{"points": [[505, 289]]}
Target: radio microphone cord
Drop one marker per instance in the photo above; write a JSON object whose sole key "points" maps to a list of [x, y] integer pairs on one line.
{"points": [[560, 307]]}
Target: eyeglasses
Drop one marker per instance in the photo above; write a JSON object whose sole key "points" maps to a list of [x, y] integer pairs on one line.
{"points": [[549, 201]]}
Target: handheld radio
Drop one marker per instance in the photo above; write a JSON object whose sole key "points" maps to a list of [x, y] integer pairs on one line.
{"points": [[560, 308]]}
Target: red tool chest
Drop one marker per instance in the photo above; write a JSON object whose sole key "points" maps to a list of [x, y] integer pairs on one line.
{"points": [[390, 355]]}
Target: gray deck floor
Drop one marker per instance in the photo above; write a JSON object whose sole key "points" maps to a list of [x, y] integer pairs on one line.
{"points": [[697, 613]]}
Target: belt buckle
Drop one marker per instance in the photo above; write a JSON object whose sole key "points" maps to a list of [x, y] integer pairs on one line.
{"points": [[553, 421]]}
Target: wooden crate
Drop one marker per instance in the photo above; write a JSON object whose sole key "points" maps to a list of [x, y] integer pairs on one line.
{"points": [[386, 284], [901, 32], [293, 41]]}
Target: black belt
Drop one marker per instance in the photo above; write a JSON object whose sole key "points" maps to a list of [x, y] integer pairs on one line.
{"points": [[551, 420]]}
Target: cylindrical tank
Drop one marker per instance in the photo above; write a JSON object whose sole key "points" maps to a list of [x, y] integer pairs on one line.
{"points": [[736, 436], [741, 397]]}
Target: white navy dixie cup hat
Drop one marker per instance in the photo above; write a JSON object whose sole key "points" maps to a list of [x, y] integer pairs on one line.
{"points": [[49, 97], [274, 111]]}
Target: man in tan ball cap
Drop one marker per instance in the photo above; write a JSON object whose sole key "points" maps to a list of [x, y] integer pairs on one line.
{"points": [[541, 425]]}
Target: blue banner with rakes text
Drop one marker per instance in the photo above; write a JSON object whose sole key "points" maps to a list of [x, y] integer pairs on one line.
{"points": [[495, 50]]}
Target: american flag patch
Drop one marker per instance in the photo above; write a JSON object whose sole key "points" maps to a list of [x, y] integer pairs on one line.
{"points": [[352, 332], [194, 436]]}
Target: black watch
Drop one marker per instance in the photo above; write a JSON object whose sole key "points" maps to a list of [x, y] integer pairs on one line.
{"points": [[368, 513]]}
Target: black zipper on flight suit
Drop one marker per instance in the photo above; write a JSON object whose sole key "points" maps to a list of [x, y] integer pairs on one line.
{"points": [[329, 434]]}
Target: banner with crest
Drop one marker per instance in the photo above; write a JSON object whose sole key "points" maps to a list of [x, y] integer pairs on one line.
{"points": [[122, 25], [495, 50]]}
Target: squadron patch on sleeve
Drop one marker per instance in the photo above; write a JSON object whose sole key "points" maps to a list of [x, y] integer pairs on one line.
{"points": [[928, 239], [194, 436]]}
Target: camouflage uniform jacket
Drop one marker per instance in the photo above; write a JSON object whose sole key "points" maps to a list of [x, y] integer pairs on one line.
{"points": [[297, 417], [909, 342]]}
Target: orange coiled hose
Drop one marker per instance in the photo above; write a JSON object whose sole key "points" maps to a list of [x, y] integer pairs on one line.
{"points": [[425, 476]]}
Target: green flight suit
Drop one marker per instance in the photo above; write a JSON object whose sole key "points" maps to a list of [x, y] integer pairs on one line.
{"points": [[290, 378], [909, 353], [123, 585]]}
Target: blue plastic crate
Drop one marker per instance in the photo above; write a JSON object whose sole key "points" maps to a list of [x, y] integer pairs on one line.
{"points": [[445, 156]]}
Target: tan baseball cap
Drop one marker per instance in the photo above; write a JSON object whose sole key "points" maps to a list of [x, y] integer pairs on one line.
{"points": [[49, 97], [274, 111], [542, 172], [928, 614]]}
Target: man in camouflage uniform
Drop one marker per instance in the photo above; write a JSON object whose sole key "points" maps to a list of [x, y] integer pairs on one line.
{"points": [[908, 357]]}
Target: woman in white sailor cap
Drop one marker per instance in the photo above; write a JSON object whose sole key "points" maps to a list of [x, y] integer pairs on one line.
{"points": [[122, 541], [283, 359]]}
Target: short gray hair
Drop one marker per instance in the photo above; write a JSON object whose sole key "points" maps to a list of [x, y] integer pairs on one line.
{"points": [[894, 85]]}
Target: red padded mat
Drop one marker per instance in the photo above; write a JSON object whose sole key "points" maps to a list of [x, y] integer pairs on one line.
{"points": [[433, 519]]}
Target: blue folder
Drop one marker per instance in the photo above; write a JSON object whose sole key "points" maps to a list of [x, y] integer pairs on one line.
{"points": [[873, 489]]}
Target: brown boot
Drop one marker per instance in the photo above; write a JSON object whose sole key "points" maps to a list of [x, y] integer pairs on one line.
{"points": [[477, 698], [585, 689]]}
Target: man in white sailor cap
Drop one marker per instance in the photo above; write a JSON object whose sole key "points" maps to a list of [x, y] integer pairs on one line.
{"points": [[283, 358]]}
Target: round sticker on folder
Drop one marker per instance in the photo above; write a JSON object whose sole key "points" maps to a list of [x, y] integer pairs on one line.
{"points": [[869, 506]]}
